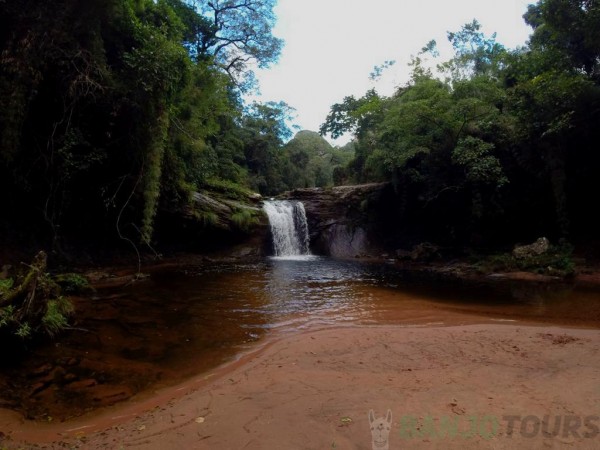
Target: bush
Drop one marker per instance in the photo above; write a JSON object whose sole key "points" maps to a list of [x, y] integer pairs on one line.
{"points": [[56, 317], [72, 283], [556, 261], [35, 306], [5, 286]]}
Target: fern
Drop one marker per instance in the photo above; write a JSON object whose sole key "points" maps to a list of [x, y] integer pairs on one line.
{"points": [[56, 317]]}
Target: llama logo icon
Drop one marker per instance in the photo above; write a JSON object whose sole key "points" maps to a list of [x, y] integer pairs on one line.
{"points": [[380, 430]]}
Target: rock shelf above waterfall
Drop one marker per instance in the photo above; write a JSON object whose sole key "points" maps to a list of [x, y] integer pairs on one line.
{"points": [[344, 221]]}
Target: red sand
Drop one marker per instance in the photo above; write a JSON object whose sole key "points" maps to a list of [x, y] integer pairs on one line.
{"points": [[314, 390]]}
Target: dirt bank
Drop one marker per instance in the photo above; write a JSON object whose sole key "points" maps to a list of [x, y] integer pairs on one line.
{"points": [[314, 390]]}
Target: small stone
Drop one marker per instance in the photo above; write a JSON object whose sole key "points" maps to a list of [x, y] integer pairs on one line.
{"points": [[38, 387], [70, 377], [42, 370], [83, 384]]}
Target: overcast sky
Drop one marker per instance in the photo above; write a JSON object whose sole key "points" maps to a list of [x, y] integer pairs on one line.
{"points": [[331, 46]]}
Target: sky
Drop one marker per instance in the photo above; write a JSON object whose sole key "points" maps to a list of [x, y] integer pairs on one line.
{"points": [[331, 46]]}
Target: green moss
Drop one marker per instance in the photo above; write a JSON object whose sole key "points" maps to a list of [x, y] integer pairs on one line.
{"points": [[72, 283], [556, 261], [227, 188], [245, 219], [207, 218]]}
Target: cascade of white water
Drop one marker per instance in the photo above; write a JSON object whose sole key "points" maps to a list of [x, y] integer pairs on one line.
{"points": [[288, 227]]}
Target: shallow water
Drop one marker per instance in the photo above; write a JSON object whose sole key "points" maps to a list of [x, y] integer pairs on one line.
{"points": [[185, 321]]}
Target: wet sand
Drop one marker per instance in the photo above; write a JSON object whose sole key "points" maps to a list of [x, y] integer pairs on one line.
{"points": [[313, 390]]}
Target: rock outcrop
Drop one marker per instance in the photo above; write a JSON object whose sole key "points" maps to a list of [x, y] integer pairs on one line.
{"points": [[345, 221], [217, 223], [539, 247]]}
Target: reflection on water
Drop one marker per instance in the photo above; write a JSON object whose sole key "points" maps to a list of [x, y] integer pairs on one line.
{"points": [[292, 293], [182, 322]]}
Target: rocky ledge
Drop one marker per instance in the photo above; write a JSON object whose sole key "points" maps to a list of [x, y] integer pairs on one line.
{"points": [[345, 221]]}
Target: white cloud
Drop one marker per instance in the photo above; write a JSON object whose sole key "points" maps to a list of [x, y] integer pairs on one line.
{"points": [[331, 46]]}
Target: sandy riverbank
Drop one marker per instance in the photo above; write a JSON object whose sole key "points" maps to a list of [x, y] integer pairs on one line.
{"points": [[314, 391]]}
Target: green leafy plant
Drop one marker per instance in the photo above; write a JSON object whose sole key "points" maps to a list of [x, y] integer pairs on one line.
{"points": [[244, 219], [72, 283], [7, 315], [24, 330], [207, 218], [56, 317], [6, 285], [556, 261], [228, 188]]}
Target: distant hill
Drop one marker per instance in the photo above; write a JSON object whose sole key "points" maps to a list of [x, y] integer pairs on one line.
{"points": [[310, 161]]}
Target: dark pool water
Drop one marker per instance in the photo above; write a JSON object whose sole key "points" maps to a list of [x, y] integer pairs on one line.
{"points": [[184, 321]]}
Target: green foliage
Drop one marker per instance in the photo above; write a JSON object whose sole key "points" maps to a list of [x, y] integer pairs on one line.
{"points": [[493, 139], [310, 161], [35, 305], [6, 285], [353, 115], [557, 261], [7, 315], [56, 317], [112, 111], [228, 189], [151, 180], [24, 330], [72, 283], [476, 157], [264, 130], [240, 33], [207, 218], [244, 219], [476, 54], [568, 32]]}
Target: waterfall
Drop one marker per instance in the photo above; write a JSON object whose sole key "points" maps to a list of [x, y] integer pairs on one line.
{"points": [[288, 227]]}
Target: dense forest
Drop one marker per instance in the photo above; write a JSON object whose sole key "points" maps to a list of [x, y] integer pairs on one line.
{"points": [[493, 146], [115, 111]]}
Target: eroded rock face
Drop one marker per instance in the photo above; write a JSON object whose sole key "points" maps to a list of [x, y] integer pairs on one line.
{"points": [[216, 224], [344, 221], [345, 241]]}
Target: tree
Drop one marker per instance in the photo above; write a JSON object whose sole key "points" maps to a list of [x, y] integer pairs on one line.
{"points": [[352, 115], [475, 54], [568, 31], [235, 34], [263, 132], [554, 93]]}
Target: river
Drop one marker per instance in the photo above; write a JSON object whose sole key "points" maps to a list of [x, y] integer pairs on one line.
{"points": [[185, 321]]}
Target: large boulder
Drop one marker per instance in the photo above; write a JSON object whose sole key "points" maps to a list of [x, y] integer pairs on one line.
{"points": [[216, 223], [539, 247], [344, 221]]}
